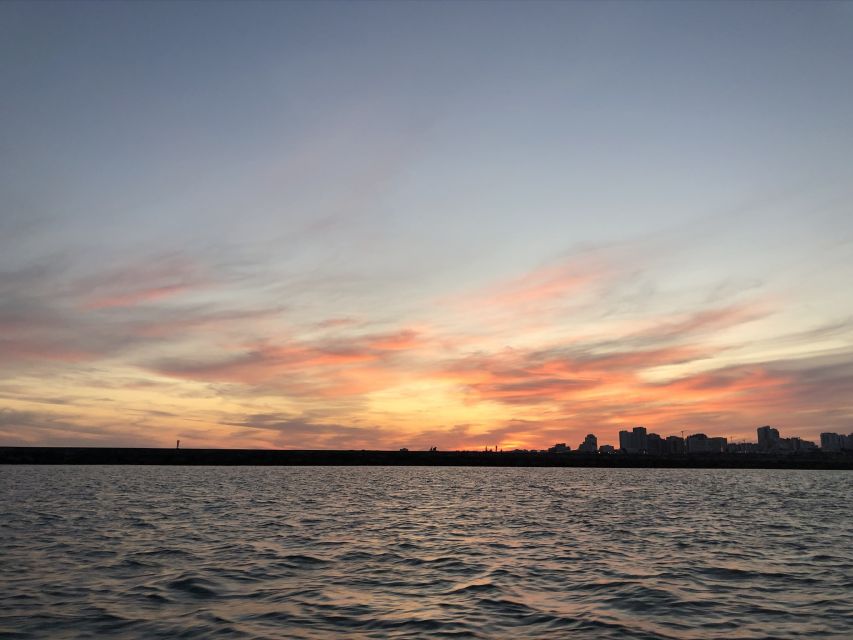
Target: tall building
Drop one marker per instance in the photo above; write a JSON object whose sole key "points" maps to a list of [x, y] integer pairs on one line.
{"points": [[832, 441], [700, 443], [635, 441], [717, 445], [799, 445], [697, 443], [674, 444], [641, 439], [654, 444], [589, 444], [742, 447], [625, 443], [768, 438]]}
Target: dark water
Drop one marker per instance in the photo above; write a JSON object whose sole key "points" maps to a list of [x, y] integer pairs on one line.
{"points": [[176, 552]]}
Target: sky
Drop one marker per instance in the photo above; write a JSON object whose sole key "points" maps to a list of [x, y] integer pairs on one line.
{"points": [[414, 224]]}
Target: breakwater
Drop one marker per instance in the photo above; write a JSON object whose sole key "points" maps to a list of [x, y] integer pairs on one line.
{"points": [[293, 457]]}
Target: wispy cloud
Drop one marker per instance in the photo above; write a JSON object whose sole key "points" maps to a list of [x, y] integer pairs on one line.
{"points": [[299, 431], [547, 361], [136, 284], [338, 366]]}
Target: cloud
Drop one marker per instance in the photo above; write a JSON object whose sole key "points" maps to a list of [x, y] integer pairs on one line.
{"points": [[148, 281], [304, 432], [339, 366], [334, 323], [49, 313], [696, 323], [24, 428], [136, 296], [555, 374], [573, 348], [545, 286]]}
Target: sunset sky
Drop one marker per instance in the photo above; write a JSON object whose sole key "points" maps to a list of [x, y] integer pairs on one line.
{"points": [[377, 225]]}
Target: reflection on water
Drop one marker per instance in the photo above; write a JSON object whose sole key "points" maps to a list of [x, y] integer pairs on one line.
{"points": [[165, 552]]}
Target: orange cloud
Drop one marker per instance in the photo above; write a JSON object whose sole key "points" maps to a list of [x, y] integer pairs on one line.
{"points": [[553, 384], [557, 374], [544, 285], [139, 283], [345, 366], [133, 298]]}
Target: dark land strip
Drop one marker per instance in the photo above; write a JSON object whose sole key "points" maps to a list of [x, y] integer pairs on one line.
{"points": [[286, 457]]}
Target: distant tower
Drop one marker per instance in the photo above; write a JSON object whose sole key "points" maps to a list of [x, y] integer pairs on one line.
{"points": [[640, 437], [625, 441], [768, 438], [589, 445], [178, 446]]}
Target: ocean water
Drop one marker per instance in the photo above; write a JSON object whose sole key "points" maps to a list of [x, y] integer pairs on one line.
{"points": [[411, 552]]}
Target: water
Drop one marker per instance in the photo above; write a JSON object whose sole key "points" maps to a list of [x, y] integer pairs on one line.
{"points": [[311, 552]]}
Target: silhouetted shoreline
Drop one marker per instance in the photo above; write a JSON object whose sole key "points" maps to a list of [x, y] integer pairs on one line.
{"points": [[267, 457]]}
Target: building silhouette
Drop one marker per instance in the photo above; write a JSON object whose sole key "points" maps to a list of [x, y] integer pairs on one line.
{"points": [[768, 438], [639, 441], [674, 445], [836, 442], [770, 442], [634, 441], [654, 444], [589, 444], [700, 443]]}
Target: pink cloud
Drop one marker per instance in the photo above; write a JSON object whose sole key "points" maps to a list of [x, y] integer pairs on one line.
{"points": [[134, 298], [342, 366], [543, 286], [140, 283]]}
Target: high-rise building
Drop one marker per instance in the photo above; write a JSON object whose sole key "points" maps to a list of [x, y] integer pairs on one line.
{"points": [[625, 443], [674, 444], [640, 439], [832, 441], [589, 445], [799, 445], [768, 438], [742, 447], [700, 443], [634, 441], [717, 445], [697, 443], [654, 444]]}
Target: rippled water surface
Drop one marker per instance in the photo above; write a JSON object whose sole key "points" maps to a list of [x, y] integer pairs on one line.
{"points": [[376, 552]]}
